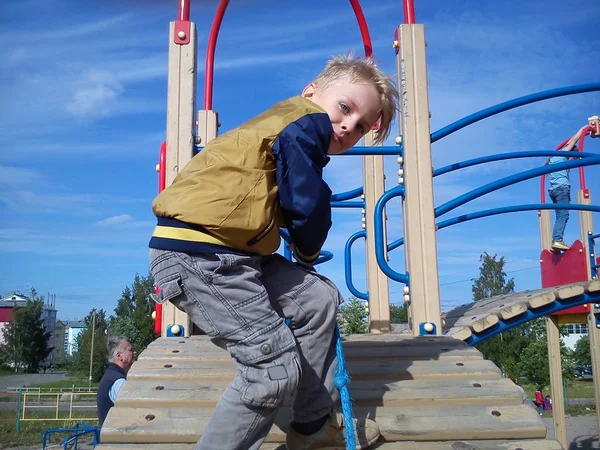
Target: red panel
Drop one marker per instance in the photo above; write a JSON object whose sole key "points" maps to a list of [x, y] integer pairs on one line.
{"points": [[565, 268], [5, 314]]}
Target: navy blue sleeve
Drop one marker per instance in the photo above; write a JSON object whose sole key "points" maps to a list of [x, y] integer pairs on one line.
{"points": [[301, 153]]}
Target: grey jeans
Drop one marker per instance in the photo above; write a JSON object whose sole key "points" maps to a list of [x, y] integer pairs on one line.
{"points": [[243, 304]]}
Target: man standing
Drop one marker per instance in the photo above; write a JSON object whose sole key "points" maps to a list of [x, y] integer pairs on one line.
{"points": [[120, 358]]}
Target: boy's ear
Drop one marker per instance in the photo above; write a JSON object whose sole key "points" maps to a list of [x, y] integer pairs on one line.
{"points": [[308, 91]]}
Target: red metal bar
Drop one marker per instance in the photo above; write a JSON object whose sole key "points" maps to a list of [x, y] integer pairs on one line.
{"points": [[184, 10], [582, 184], [162, 181], [409, 11], [210, 54], [364, 29]]}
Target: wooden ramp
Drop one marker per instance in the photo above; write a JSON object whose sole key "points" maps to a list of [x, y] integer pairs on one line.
{"points": [[426, 393], [486, 316]]}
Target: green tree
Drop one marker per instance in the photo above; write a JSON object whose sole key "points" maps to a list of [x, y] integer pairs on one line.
{"points": [[533, 364], [506, 348], [492, 278], [398, 314], [133, 314], [581, 354], [25, 343], [354, 317], [95, 320]]}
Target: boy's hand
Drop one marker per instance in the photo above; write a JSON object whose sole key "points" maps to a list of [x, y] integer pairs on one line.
{"points": [[299, 261]]}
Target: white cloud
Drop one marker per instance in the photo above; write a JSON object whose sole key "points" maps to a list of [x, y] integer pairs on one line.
{"points": [[95, 95], [115, 220]]}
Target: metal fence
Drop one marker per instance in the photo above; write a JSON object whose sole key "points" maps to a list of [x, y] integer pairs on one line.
{"points": [[41, 406]]}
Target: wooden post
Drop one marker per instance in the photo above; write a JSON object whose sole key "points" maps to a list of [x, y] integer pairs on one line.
{"points": [[377, 281], [556, 385], [545, 229], [419, 232], [181, 106], [594, 335], [586, 226]]}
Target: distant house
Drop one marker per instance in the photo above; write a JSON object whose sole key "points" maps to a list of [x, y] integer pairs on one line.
{"points": [[72, 330], [575, 331], [60, 345], [11, 302]]}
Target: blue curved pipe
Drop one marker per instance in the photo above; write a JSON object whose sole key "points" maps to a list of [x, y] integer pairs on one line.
{"points": [[556, 306], [379, 241], [348, 195], [380, 150], [348, 265], [348, 204], [512, 179], [502, 210], [511, 104], [324, 256], [504, 156], [515, 208]]}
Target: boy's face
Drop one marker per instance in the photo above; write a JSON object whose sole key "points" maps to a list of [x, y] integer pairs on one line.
{"points": [[353, 108]]}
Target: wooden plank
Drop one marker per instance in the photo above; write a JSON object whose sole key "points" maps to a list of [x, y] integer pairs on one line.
{"points": [[527, 444], [459, 422], [354, 339], [414, 423], [145, 446], [167, 425], [457, 391], [359, 370], [462, 333], [351, 351]]}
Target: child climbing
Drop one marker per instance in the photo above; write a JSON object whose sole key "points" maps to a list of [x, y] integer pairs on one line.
{"points": [[213, 256], [560, 191]]}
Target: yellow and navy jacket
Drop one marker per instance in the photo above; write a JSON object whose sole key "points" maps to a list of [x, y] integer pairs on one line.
{"points": [[235, 194]]}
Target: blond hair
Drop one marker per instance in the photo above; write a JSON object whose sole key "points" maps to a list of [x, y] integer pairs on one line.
{"points": [[358, 69]]}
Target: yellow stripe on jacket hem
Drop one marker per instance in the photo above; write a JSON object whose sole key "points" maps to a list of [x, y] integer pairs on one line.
{"points": [[185, 234]]}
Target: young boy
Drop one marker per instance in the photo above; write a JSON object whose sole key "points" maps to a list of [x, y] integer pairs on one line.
{"points": [[212, 254], [560, 192]]}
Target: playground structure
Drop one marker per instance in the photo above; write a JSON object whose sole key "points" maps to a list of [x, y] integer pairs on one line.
{"points": [[426, 390]]}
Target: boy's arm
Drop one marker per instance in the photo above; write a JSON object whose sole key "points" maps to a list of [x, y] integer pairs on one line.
{"points": [[570, 145], [301, 152]]}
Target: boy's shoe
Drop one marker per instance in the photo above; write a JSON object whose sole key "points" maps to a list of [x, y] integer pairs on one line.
{"points": [[332, 435], [559, 245]]}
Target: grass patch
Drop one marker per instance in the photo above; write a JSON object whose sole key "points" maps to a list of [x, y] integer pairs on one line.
{"points": [[65, 384], [575, 389], [31, 432]]}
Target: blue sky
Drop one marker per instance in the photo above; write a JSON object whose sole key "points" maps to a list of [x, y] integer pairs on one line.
{"points": [[83, 88]]}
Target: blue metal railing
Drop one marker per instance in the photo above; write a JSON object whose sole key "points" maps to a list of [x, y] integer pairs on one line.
{"points": [[397, 191], [594, 266], [512, 179], [348, 265], [511, 104], [502, 157]]}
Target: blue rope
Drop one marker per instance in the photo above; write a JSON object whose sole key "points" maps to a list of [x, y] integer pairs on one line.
{"points": [[341, 380]]}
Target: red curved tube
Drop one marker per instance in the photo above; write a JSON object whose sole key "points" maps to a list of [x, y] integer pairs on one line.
{"points": [[184, 10], [364, 29], [409, 11], [582, 184], [210, 54], [162, 181]]}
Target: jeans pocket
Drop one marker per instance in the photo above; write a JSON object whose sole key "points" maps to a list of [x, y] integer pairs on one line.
{"points": [[209, 266], [271, 383]]}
